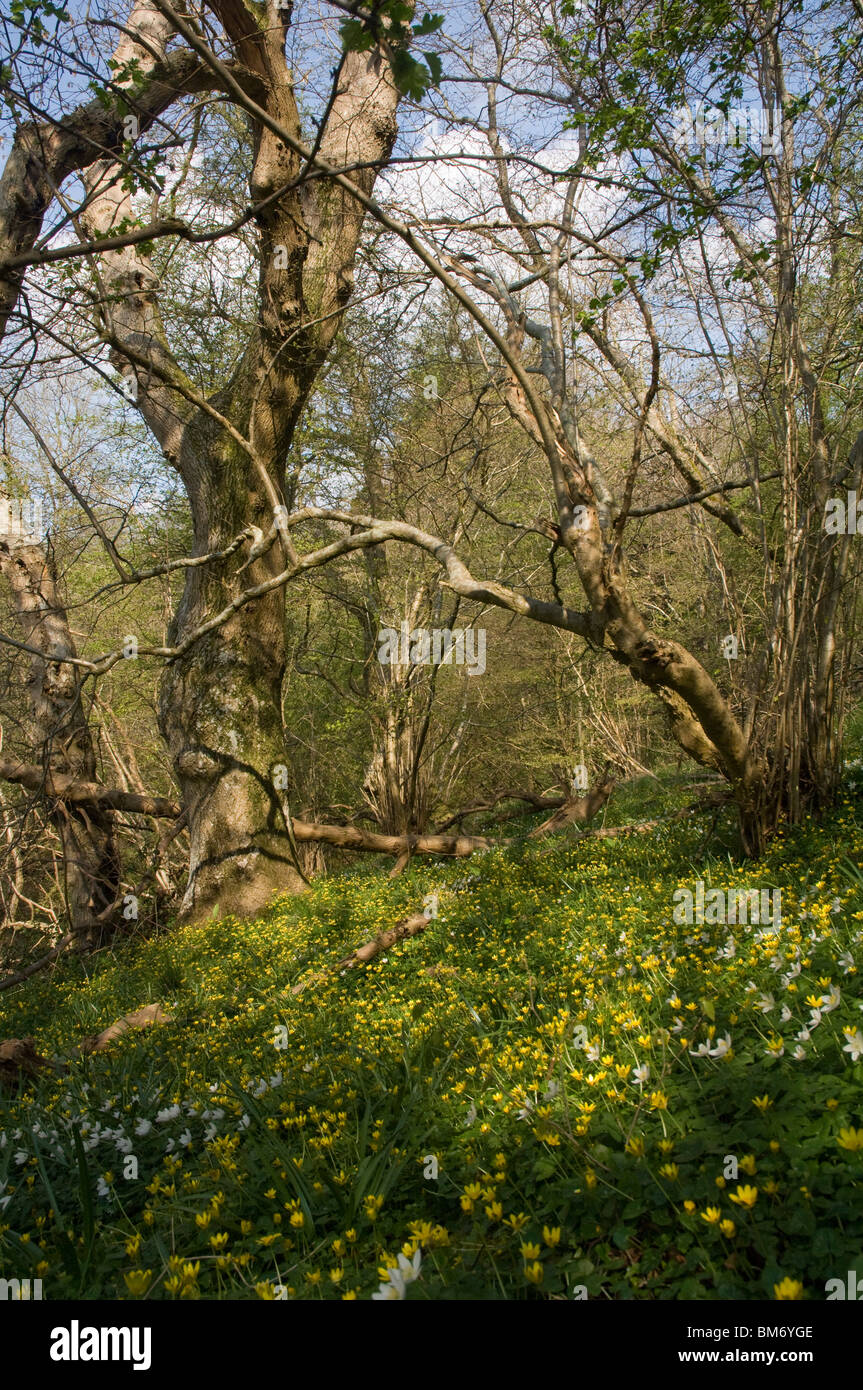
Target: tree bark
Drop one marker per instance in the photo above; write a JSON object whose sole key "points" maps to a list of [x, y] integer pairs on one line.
{"points": [[61, 734]]}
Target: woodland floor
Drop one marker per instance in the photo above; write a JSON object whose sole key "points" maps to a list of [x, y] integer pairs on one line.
{"points": [[442, 1099]]}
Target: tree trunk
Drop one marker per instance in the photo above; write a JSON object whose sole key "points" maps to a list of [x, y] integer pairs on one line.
{"points": [[60, 733], [220, 713]]}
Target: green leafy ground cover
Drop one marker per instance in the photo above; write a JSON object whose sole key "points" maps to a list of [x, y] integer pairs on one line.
{"points": [[542, 1095]]}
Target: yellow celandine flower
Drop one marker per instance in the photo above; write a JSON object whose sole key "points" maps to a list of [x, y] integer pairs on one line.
{"points": [[298, 1220], [265, 1291], [219, 1240], [350, 1296], [689, 1206], [832, 1104], [191, 1271], [669, 1170], [711, 1215], [788, 1289], [173, 1284], [745, 1196], [420, 1230], [529, 1251], [350, 1236], [762, 1103], [551, 1235], [665, 1145], [336, 1275], [658, 1100], [590, 1178], [850, 1139], [494, 1211], [771, 1187], [747, 1163], [720, 1181], [133, 1245], [635, 1147], [247, 1227], [138, 1281], [516, 1221], [534, 1272], [727, 1228]]}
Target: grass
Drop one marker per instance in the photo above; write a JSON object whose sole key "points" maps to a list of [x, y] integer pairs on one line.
{"points": [[476, 1100]]}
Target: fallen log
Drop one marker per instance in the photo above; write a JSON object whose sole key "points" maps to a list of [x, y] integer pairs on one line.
{"points": [[351, 837]]}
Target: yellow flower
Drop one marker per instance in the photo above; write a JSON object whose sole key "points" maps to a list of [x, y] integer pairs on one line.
{"points": [[747, 1163], [711, 1215], [133, 1245], [670, 1171], [744, 1196], [219, 1240], [727, 1228], [138, 1281], [494, 1211], [372, 1207], [516, 1221], [529, 1251], [534, 1272], [265, 1291], [298, 1220], [850, 1139], [689, 1206], [762, 1103], [658, 1100], [788, 1289], [551, 1235], [635, 1147]]}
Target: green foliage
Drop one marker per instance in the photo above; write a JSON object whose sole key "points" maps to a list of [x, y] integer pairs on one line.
{"points": [[502, 1042], [389, 24]]}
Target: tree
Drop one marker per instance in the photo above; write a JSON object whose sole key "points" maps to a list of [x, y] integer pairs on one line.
{"points": [[220, 710]]}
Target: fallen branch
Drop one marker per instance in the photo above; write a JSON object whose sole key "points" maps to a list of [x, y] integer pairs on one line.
{"points": [[64, 788], [350, 837], [577, 810], [19, 1058], [539, 803], [408, 926]]}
